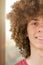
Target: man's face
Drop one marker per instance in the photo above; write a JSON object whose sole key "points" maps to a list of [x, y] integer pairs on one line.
{"points": [[35, 32]]}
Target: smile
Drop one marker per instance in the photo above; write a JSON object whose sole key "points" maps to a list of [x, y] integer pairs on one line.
{"points": [[40, 38]]}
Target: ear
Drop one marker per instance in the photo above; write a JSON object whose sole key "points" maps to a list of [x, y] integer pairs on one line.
{"points": [[27, 35]]}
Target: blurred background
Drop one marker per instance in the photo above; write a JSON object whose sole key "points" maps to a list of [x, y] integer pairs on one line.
{"points": [[12, 54]]}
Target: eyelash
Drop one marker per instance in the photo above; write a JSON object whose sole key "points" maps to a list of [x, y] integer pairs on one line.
{"points": [[35, 22]]}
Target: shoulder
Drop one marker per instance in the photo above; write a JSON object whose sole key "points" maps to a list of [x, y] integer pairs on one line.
{"points": [[22, 62]]}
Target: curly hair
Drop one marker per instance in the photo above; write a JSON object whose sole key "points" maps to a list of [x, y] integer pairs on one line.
{"points": [[22, 12]]}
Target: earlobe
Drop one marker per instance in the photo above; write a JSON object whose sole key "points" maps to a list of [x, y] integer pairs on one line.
{"points": [[27, 35]]}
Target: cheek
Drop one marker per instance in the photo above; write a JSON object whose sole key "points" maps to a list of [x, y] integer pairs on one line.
{"points": [[31, 32]]}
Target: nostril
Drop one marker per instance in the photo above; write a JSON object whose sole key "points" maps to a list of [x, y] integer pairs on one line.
{"points": [[39, 30]]}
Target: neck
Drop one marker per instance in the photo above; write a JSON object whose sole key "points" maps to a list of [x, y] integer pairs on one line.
{"points": [[36, 57]]}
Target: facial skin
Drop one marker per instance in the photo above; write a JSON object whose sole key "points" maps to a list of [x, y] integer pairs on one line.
{"points": [[35, 32]]}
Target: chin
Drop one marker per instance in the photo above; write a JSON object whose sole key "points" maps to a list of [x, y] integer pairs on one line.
{"points": [[39, 46]]}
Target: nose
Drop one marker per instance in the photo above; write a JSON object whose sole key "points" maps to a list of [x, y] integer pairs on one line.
{"points": [[40, 28]]}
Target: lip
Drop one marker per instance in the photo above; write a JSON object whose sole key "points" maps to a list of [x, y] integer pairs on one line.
{"points": [[39, 37]]}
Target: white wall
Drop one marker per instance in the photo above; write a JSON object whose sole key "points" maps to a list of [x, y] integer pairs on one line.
{"points": [[12, 54]]}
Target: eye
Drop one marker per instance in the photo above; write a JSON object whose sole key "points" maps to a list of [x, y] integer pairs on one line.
{"points": [[34, 22]]}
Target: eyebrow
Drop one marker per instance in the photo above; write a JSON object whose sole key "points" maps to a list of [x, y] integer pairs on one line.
{"points": [[35, 19]]}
